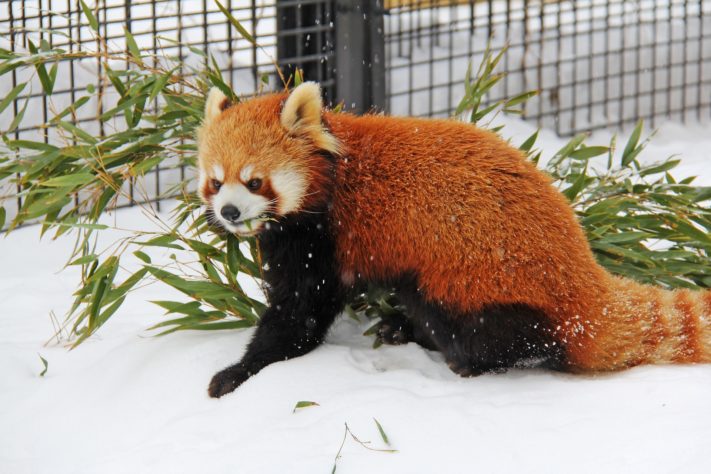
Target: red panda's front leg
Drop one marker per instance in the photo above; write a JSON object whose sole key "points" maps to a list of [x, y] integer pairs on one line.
{"points": [[282, 334], [304, 295]]}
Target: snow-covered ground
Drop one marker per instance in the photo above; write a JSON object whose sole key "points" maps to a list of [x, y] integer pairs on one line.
{"points": [[126, 401]]}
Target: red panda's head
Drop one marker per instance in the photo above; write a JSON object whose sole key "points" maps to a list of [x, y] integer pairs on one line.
{"points": [[263, 157]]}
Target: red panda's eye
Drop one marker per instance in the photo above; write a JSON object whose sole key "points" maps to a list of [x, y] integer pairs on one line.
{"points": [[254, 184], [216, 184]]}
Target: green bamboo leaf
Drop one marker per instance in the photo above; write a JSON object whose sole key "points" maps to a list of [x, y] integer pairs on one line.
{"points": [[626, 237], [69, 180], [52, 78], [45, 79], [304, 404], [479, 114], [89, 16], [631, 149], [3, 216], [133, 47], [31, 145], [382, 432], [77, 132], [51, 202], [689, 230], [165, 241], [146, 165], [143, 256], [530, 141], [83, 260], [18, 118], [220, 325], [193, 288], [661, 168], [122, 106], [45, 365], [701, 194], [587, 152], [160, 83], [298, 77], [81, 225], [568, 148], [572, 192], [520, 98], [11, 96], [108, 312], [238, 26], [191, 308], [622, 252], [372, 329], [178, 324], [102, 279]]}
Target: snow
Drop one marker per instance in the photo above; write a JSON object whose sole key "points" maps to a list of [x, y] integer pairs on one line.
{"points": [[126, 401]]}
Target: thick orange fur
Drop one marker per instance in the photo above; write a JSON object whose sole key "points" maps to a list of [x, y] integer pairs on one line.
{"points": [[474, 219]]}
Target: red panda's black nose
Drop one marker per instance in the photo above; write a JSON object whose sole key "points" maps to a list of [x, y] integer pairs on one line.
{"points": [[230, 212]]}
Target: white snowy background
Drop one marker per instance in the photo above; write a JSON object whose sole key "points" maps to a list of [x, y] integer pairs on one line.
{"points": [[127, 401]]}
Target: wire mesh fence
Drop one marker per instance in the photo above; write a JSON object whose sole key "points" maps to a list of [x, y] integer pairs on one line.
{"points": [[596, 63]]}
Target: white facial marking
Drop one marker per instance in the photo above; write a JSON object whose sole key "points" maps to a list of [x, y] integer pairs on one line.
{"points": [[250, 205], [218, 172], [246, 173], [290, 187]]}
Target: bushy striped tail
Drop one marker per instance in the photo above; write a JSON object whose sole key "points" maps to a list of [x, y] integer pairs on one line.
{"points": [[643, 324], [681, 327]]}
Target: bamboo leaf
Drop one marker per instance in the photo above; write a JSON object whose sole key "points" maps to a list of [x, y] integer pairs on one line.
{"points": [[143, 256], [572, 192], [11, 96], [77, 132], [530, 141], [661, 168], [238, 26], [18, 118], [45, 365], [382, 432], [521, 98], [89, 16], [133, 47], [83, 260], [631, 149], [70, 180], [587, 152], [304, 404]]}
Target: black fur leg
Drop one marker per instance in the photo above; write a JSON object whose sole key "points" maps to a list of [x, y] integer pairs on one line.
{"points": [[492, 340], [225, 381], [304, 298], [396, 329]]}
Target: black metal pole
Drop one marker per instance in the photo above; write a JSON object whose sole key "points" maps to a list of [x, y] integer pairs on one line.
{"points": [[360, 55], [303, 31]]}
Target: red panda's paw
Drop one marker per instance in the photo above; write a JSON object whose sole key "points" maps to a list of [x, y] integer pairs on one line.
{"points": [[394, 330], [471, 370], [226, 381]]}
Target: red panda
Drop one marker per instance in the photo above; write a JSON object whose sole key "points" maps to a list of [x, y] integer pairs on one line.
{"points": [[486, 255]]}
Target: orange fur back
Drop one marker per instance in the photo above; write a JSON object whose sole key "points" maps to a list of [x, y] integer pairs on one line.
{"points": [[481, 225]]}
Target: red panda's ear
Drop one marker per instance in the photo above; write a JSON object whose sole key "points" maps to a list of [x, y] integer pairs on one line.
{"points": [[301, 115], [216, 102]]}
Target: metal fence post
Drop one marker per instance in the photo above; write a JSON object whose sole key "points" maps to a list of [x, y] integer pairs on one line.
{"points": [[304, 41], [360, 54]]}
